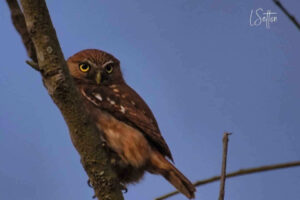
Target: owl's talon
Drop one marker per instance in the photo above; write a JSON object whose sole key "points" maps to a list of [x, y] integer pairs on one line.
{"points": [[91, 186], [89, 183], [123, 188]]}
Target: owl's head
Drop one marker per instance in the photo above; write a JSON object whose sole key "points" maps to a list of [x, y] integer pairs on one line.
{"points": [[93, 66]]}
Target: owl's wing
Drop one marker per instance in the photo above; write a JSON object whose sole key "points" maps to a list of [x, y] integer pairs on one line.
{"points": [[126, 105]]}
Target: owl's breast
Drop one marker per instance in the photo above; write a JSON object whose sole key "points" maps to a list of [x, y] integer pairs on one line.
{"points": [[128, 142]]}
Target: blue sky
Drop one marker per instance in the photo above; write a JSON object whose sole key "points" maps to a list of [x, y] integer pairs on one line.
{"points": [[201, 68]]}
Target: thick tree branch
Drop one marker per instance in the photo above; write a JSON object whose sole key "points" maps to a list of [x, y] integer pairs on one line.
{"points": [[238, 173], [60, 86], [291, 17], [223, 170]]}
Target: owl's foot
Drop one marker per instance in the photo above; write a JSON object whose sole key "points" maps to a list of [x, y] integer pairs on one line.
{"points": [[91, 186], [89, 183], [124, 188]]}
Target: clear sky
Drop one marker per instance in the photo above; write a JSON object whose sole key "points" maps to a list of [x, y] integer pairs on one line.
{"points": [[201, 68]]}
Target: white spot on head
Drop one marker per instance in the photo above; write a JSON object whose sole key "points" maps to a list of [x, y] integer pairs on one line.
{"points": [[113, 86], [122, 109], [115, 90], [132, 102], [98, 96]]}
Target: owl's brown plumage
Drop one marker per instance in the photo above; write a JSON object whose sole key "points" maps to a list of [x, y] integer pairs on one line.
{"points": [[128, 124]]}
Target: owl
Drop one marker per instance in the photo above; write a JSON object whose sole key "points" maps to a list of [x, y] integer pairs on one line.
{"points": [[127, 124]]}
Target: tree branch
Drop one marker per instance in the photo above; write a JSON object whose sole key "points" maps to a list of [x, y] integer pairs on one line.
{"points": [[60, 86], [18, 21], [223, 170], [238, 173], [291, 17]]}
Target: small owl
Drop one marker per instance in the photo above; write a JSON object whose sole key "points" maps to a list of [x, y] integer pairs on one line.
{"points": [[128, 126]]}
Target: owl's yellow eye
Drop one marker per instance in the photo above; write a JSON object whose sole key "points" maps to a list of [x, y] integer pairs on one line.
{"points": [[84, 67], [109, 68]]}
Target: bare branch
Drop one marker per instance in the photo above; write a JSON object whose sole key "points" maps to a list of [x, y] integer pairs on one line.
{"points": [[18, 20], [238, 173], [60, 86], [223, 170], [291, 17]]}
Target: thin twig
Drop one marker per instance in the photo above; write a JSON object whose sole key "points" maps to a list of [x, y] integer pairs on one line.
{"points": [[238, 173], [223, 170], [18, 21], [291, 17]]}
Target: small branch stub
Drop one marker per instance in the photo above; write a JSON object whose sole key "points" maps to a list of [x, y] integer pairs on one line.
{"points": [[33, 64]]}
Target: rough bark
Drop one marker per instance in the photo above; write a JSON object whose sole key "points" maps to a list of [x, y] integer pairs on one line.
{"points": [[60, 86]]}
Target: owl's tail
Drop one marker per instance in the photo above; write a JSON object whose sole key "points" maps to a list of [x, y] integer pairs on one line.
{"points": [[160, 165]]}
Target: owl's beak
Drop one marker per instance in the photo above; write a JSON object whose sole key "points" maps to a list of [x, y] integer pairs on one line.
{"points": [[98, 78]]}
